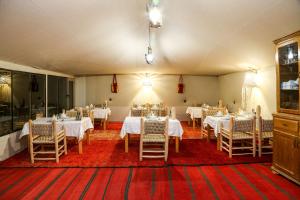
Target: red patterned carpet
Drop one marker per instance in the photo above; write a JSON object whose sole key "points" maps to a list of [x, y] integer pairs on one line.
{"points": [[245, 181], [110, 153], [107, 150]]}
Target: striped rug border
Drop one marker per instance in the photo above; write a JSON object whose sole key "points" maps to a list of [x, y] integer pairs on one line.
{"points": [[135, 166]]}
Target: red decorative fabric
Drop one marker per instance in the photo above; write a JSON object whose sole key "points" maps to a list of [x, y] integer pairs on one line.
{"points": [[244, 181]]}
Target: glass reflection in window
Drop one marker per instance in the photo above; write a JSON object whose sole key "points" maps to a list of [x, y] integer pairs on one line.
{"points": [[5, 102]]}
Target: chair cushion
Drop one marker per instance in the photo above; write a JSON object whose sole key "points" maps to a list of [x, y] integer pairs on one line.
{"points": [[46, 139], [154, 138]]}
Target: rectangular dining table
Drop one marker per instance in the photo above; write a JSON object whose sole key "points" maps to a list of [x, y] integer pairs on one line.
{"points": [[73, 128], [194, 113], [132, 125], [102, 113], [219, 122]]}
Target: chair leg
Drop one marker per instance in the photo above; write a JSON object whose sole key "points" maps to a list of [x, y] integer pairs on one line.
{"points": [[259, 147], [56, 152], [31, 152], [230, 148], [254, 145], [141, 149], [166, 150], [221, 142], [65, 145]]}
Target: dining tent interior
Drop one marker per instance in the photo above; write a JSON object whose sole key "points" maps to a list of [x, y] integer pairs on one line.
{"points": [[157, 99]]}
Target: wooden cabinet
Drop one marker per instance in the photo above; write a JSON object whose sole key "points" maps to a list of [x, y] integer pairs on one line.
{"points": [[286, 146], [286, 140]]}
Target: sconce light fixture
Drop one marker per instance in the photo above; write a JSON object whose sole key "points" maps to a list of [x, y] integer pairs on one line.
{"points": [[147, 81], [251, 78]]}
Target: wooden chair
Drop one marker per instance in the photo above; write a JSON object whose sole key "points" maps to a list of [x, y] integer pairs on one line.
{"points": [[46, 140], [39, 115], [240, 136], [264, 135], [154, 133], [85, 112], [71, 113], [136, 112], [163, 112], [207, 130]]}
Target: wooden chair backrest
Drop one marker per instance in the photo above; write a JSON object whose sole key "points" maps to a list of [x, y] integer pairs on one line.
{"points": [[39, 115], [154, 126], [242, 125], [49, 129], [71, 113], [136, 112]]}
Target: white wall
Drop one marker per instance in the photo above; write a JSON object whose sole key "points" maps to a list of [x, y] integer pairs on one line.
{"points": [[11, 144], [264, 95], [97, 89]]}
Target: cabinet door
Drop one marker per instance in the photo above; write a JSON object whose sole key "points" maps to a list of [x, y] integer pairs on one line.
{"points": [[286, 153], [288, 73]]}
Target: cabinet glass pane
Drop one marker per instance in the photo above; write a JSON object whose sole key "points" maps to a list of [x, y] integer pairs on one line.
{"points": [[288, 76], [5, 103], [38, 86], [21, 97]]}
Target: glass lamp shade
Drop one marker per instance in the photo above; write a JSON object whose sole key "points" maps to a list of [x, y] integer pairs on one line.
{"points": [[155, 17], [149, 58]]}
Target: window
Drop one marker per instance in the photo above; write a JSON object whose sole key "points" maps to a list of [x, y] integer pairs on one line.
{"points": [[38, 94], [71, 94], [52, 95], [23, 95], [62, 95], [5, 102], [21, 99]]}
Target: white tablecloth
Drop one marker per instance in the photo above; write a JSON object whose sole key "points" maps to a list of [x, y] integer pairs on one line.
{"points": [[101, 113], [74, 128], [132, 125], [194, 112], [217, 122]]}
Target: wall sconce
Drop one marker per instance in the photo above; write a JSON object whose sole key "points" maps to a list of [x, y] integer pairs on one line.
{"points": [[250, 79], [147, 81]]}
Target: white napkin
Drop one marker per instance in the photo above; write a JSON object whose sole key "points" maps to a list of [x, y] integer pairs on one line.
{"points": [[54, 118], [63, 115]]}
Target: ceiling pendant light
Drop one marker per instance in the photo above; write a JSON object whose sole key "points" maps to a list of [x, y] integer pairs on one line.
{"points": [[149, 56]]}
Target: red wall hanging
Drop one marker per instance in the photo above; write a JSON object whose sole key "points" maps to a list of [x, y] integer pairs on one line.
{"points": [[114, 85], [180, 84]]}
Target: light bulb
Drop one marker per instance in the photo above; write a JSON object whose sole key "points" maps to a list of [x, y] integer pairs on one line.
{"points": [[290, 55], [155, 16], [149, 58]]}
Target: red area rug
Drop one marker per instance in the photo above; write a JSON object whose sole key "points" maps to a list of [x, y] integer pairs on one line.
{"points": [[110, 153], [245, 181]]}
